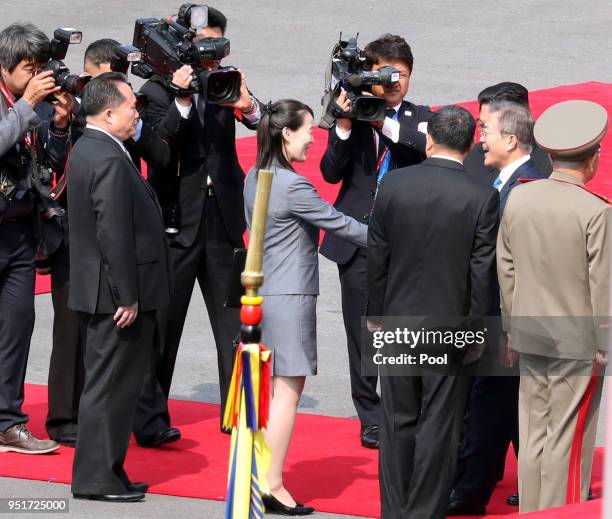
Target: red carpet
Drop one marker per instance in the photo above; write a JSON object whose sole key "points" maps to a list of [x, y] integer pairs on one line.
{"points": [[539, 100], [326, 467]]}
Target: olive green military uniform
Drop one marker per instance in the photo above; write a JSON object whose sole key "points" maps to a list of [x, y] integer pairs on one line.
{"points": [[553, 258]]}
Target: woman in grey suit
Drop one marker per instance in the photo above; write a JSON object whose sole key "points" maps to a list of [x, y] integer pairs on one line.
{"points": [[291, 268]]}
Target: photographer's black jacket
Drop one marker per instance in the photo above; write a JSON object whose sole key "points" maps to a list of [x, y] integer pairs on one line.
{"points": [[203, 150], [354, 161]]}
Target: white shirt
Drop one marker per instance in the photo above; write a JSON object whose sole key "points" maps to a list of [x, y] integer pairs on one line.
{"points": [[390, 129], [446, 157], [507, 172], [94, 127]]}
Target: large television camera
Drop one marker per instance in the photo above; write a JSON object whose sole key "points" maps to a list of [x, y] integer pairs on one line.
{"points": [[167, 45], [347, 71], [71, 83]]}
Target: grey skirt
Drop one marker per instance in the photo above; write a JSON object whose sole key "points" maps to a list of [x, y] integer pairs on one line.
{"points": [[289, 329]]}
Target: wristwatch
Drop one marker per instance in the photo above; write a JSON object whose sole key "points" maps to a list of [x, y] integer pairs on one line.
{"points": [[252, 108], [59, 132]]}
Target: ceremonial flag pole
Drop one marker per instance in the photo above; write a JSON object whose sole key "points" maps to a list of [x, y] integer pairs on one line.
{"points": [[248, 402]]}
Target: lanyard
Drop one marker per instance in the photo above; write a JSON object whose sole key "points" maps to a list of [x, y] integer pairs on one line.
{"points": [[385, 158], [9, 100]]}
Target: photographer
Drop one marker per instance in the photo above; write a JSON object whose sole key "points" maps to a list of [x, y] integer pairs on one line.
{"points": [[358, 154], [202, 191], [66, 370], [33, 136]]}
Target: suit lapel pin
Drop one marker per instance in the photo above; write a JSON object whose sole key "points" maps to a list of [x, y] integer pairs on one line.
{"points": [[408, 113]]}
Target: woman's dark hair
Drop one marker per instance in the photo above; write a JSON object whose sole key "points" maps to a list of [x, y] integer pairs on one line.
{"points": [[286, 113]]}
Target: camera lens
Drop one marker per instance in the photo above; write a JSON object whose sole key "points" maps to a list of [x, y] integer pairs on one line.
{"points": [[74, 84], [368, 108], [223, 86]]}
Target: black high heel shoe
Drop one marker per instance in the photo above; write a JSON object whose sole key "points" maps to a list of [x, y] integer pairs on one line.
{"points": [[274, 506]]}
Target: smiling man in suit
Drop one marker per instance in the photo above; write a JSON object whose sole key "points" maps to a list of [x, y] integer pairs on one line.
{"points": [[514, 93], [118, 280], [358, 155], [507, 141], [506, 137]]}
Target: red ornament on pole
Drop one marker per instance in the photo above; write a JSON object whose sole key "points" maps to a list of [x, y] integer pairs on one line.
{"points": [[251, 314]]}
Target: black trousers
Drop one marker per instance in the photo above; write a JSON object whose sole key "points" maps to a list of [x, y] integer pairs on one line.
{"points": [[209, 262], [419, 435], [115, 368], [353, 283], [492, 425], [16, 316], [66, 368]]}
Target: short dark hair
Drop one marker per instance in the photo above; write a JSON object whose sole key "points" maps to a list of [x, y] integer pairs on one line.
{"points": [[217, 19], [286, 113], [101, 51], [102, 92], [505, 91], [452, 127], [23, 42], [389, 47]]}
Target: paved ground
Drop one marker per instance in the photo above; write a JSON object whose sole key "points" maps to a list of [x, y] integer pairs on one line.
{"points": [[459, 48]]}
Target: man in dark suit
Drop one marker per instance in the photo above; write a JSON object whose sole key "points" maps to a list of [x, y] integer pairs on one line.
{"points": [[66, 370], [431, 252], [118, 281], [201, 192], [358, 154], [475, 161], [506, 138]]}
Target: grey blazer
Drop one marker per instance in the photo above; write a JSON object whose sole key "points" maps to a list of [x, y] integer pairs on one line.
{"points": [[295, 215], [16, 122]]}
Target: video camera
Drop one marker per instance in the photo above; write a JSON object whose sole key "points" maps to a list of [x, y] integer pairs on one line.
{"points": [[124, 56], [71, 83], [347, 72], [167, 45]]}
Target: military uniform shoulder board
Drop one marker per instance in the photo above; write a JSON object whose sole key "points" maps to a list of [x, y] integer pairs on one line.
{"points": [[598, 195]]}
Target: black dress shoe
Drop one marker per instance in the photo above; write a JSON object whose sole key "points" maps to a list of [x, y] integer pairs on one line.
{"points": [[274, 506], [127, 497], [68, 439], [138, 487], [512, 500], [162, 437], [460, 505], [369, 436]]}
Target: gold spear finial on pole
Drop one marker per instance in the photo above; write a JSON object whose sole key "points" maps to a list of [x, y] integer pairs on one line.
{"points": [[252, 278]]}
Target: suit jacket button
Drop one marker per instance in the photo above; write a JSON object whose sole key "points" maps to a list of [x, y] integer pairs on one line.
{"points": [[366, 217], [373, 192]]}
